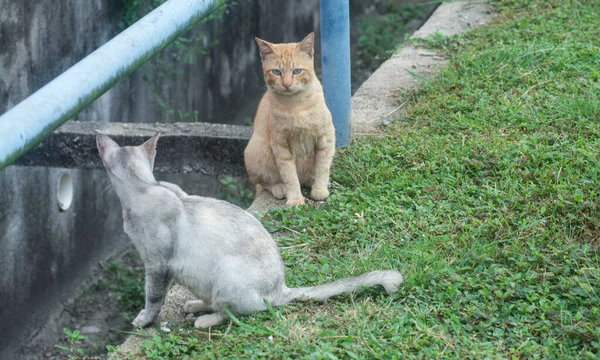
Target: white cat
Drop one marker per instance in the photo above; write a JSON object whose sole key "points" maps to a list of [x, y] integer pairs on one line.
{"points": [[219, 251]]}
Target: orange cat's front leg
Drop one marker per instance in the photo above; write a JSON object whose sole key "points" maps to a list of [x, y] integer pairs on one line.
{"points": [[287, 170], [324, 155]]}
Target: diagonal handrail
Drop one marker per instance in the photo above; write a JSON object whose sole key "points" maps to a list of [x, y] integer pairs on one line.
{"points": [[26, 124]]}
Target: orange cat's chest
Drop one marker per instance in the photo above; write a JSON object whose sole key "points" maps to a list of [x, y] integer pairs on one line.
{"points": [[301, 129], [301, 143], [308, 121]]}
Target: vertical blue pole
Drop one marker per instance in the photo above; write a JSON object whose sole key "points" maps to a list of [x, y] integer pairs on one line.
{"points": [[335, 64]]}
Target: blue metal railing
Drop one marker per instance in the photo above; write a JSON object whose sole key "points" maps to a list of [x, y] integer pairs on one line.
{"points": [[25, 125], [335, 60]]}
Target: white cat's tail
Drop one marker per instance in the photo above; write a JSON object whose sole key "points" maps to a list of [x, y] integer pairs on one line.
{"points": [[389, 279]]}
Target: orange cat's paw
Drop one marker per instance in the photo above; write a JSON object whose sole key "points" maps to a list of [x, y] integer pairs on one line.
{"points": [[278, 191], [319, 194], [293, 202]]}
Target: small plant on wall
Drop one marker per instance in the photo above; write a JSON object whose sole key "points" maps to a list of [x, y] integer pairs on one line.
{"points": [[183, 50]]}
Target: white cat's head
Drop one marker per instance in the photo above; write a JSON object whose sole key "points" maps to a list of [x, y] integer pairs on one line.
{"points": [[128, 163]]}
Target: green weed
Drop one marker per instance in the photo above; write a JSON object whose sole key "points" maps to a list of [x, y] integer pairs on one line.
{"points": [[73, 337]]}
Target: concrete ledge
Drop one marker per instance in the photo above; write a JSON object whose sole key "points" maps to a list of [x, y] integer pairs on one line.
{"points": [[453, 18], [377, 100], [210, 149]]}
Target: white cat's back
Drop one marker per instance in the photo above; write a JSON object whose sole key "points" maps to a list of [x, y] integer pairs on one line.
{"points": [[219, 236]]}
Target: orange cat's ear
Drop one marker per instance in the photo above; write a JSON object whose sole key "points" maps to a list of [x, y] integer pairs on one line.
{"points": [[308, 44], [264, 47]]}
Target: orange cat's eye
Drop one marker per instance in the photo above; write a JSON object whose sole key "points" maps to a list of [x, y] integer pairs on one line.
{"points": [[297, 71], [276, 72]]}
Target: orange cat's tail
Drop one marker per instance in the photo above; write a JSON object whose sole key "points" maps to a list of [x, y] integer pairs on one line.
{"points": [[389, 279]]}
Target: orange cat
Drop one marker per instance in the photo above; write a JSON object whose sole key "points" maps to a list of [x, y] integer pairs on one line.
{"points": [[293, 140]]}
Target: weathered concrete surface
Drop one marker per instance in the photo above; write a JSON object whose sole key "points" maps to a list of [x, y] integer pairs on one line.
{"points": [[41, 39], [45, 253], [375, 10], [452, 18], [377, 100], [210, 149]]}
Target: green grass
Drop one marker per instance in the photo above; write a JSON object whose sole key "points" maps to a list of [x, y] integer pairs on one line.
{"points": [[125, 280], [485, 196]]}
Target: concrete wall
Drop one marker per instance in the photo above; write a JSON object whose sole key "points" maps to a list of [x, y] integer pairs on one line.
{"points": [[46, 253], [41, 39]]}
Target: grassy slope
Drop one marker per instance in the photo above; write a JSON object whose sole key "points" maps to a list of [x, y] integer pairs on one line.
{"points": [[485, 196]]}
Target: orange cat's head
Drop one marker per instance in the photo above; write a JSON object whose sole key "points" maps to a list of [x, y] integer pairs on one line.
{"points": [[288, 68]]}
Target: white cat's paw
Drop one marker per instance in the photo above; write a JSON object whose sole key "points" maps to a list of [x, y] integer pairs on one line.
{"points": [[143, 319], [194, 306], [210, 320], [295, 202], [319, 194]]}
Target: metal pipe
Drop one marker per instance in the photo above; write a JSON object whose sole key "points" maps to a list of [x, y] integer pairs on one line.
{"points": [[26, 124], [335, 60]]}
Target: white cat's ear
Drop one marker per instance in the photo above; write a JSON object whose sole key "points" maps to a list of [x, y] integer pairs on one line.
{"points": [[150, 147], [104, 144], [308, 44], [264, 47]]}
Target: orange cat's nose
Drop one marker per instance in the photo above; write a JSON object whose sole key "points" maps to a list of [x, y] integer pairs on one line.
{"points": [[287, 85]]}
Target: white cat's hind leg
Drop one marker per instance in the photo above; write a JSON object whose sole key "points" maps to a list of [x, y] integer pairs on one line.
{"points": [[210, 320], [196, 306]]}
